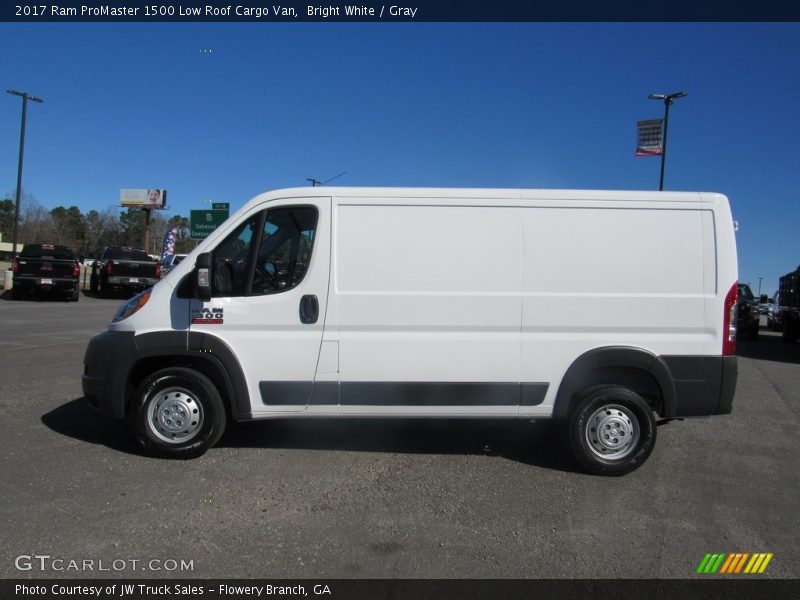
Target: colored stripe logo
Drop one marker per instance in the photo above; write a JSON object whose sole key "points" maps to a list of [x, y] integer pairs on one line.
{"points": [[735, 563]]}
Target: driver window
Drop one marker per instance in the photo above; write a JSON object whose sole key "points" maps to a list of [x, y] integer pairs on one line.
{"points": [[285, 251], [230, 260]]}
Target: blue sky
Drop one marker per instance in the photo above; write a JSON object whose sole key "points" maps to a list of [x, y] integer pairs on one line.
{"points": [[434, 104]]}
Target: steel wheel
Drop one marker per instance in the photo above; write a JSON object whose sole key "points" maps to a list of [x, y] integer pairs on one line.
{"points": [[612, 432], [174, 415]]}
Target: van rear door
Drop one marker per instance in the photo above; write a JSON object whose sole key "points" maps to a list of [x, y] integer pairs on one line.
{"points": [[269, 294]]}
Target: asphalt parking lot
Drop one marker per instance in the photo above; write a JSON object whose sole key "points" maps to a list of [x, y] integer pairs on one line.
{"points": [[380, 499]]}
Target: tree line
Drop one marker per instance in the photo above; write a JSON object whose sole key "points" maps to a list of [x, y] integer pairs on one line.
{"points": [[87, 234]]}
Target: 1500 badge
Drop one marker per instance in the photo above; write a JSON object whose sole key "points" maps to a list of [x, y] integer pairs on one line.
{"points": [[207, 316]]}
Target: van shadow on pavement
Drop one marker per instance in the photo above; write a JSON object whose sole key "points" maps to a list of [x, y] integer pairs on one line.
{"points": [[77, 420], [540, 444]]}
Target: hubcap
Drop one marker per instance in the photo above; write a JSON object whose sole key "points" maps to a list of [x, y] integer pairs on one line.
{"points": [[612, 432], [174, 415]]}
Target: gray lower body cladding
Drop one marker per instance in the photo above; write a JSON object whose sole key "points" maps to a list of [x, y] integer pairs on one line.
{"points": [[691, 385]]}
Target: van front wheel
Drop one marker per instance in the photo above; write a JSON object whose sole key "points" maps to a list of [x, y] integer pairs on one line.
{"points": [[177, 413], [612, 430]]}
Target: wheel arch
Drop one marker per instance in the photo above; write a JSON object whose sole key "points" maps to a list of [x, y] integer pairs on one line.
{"points": [[634, 368], [201, 352]]}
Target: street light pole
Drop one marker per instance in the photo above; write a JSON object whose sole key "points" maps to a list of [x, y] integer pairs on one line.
{"points": [[25, 97], [667, 98]]}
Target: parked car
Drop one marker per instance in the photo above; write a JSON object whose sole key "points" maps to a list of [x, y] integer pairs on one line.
{"points": [[170, 262], [774, 320], [46, 268], [764, 302], [123, 268], [747, 315]]}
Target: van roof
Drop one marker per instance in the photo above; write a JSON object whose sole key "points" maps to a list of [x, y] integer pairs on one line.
{"points": [[494, 194]]}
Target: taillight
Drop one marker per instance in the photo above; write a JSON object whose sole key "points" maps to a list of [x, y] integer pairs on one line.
{"points": [[15, 266], [158, 270], [76, 269], [729, 321], [109, 268]]}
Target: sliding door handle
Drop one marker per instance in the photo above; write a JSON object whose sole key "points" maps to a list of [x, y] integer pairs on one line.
{"points": [[309, 309]]}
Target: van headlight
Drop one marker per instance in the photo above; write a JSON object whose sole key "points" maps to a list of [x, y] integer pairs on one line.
{"points": [[132, 305]]}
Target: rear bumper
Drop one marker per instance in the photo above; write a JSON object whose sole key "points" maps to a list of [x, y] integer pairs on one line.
{"points": [[125, 281], [59, 284], [703, 385]]}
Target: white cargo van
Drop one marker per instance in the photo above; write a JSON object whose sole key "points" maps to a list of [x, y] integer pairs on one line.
{"points": [[598, 309]]}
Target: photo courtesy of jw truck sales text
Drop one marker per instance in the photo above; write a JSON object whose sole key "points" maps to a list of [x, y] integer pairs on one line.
{"points": [[381, 302]]}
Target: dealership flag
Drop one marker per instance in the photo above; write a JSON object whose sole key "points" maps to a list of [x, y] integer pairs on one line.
{"points": [[650, 142], [169, 242]]}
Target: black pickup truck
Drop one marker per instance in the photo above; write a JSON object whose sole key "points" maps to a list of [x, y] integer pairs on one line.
{"points": [[788, 309], [46, 268], [747, 319], [123, 268]]}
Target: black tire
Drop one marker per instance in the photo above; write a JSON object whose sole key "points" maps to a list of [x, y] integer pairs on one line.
{"points": [[16, 293], [621, 412], [93, 283], [790, 327], [752, 335], [169, 431], [76, 295], [102, 289]]}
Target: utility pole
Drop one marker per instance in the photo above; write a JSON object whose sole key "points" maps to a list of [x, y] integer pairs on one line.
{"points": [[316, 182], [25, 97]]}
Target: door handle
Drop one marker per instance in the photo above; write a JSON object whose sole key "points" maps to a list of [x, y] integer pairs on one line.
{"points": [[309, 309]]}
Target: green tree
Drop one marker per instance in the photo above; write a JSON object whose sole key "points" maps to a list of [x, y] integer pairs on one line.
{"points": [[7, 219], [70, 227], [183, 245], [102, 229], [131, 223]]}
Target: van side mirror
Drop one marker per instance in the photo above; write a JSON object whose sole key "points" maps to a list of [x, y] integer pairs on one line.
{"points": [[202, 285]]}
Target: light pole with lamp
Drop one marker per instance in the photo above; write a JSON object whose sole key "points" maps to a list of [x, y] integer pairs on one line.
{"points": [[667, 98], [25, 97]]}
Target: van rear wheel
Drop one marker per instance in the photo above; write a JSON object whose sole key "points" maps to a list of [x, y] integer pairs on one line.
{"points": [[612, 430], [177, 413]]}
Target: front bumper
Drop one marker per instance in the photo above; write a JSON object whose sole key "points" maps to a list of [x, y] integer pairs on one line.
{"points": [[107, 364]]}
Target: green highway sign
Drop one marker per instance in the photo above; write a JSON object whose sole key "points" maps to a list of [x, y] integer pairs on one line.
{"points": [[203, 222], [221, 205]]}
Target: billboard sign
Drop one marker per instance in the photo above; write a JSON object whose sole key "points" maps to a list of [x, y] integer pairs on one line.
{"points": [[650, 139], [204, 222], [143, 198]]}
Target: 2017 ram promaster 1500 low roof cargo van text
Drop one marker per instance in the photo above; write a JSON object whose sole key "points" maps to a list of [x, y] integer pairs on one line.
{"points": [[598, 309]]}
